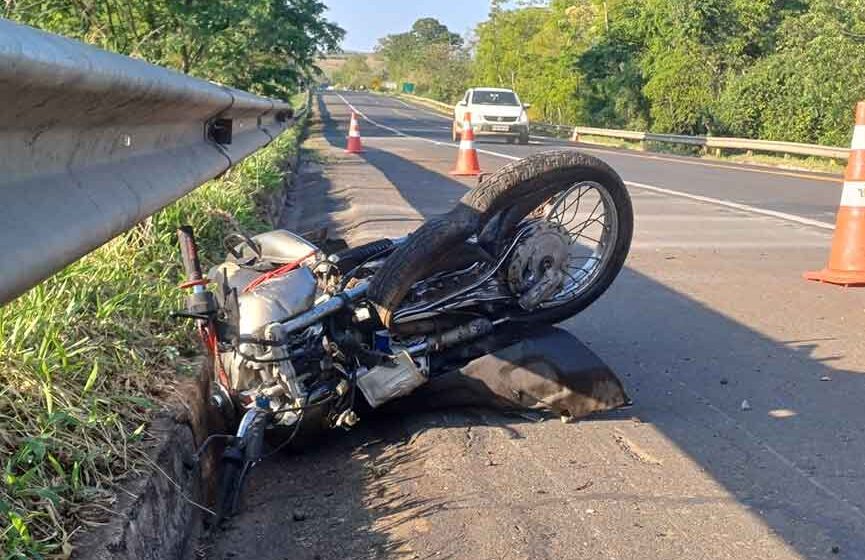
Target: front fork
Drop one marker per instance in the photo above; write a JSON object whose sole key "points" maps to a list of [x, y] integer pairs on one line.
{"points": [[241, 454], [250, 432]]}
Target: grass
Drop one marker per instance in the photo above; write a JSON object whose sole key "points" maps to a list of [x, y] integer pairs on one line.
{"points": [[89, 355]]}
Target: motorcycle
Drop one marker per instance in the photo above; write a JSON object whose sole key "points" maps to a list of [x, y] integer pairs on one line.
{"points": [[301, 340]]}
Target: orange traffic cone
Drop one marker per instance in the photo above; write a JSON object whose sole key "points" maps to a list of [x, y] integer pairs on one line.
{"points": [[467, 160], [847, 259], [354, 145]]}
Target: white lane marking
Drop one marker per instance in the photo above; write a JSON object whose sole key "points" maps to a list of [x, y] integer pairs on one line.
{"points": [[705, 199], [624, 152], [423, 109], [734, 205], [729, 245]]}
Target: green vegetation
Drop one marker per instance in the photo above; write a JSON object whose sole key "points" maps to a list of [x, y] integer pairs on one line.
{"points": [[354, 73], [430, 56], [264, 46], [789, 161], [773, 69]]}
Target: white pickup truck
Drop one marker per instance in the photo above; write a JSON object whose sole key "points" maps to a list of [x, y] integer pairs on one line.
{"points": [[495, 112]]}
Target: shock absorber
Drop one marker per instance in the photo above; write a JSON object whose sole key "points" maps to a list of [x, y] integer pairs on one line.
{"points": [[472, 330]]}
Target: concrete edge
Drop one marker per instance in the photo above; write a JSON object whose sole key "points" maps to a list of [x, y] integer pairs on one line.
{"points": [[155, 516]]}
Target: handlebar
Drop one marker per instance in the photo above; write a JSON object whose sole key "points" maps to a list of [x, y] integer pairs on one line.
{"points": [[325, 309], [189, 255]]}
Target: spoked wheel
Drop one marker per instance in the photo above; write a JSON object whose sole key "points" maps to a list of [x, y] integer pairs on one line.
{"points": [[579, 197], [586, 216]]}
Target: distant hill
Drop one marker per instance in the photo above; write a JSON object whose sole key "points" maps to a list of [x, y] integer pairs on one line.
{"points": [[333, 62]]}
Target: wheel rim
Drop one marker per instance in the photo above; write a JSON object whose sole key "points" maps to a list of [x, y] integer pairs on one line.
{"points": [[584, 212]]}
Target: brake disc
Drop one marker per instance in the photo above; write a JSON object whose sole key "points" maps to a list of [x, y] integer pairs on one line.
{"points": [[537, 268]]}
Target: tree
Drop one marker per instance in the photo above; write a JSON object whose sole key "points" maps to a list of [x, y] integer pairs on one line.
{"points": [[355, 72], [265, 46], [534, 50], [806, 89], [430, 55], [428, 31]]}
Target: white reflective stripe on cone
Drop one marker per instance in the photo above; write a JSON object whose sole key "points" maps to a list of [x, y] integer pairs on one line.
{"points": [[467, 145], [858, 137], [853, 194]]}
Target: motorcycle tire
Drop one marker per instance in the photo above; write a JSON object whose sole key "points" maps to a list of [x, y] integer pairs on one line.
{"points": [[509, 195], [232, 475]]}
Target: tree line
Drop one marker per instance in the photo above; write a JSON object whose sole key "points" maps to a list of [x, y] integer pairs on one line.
{"points": [[264, 46], [773, 69]]}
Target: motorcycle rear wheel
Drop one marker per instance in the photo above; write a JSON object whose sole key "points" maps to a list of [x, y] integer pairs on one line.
{"points": [[494, 210]]}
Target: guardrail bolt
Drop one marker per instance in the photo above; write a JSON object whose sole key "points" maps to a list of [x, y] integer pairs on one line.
{"points": [[219, 131]]}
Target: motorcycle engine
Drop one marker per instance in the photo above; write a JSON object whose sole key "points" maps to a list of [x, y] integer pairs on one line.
{"points": [[255, 367], [538, 266]]}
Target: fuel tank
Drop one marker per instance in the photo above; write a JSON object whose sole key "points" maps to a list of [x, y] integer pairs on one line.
{"points": [[278, 299]]}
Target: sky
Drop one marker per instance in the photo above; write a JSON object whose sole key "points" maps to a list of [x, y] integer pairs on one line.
{"points": [[365, 21]]}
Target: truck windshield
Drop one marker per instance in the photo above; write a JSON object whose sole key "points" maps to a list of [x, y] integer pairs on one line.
{"points": [[482, 97]]}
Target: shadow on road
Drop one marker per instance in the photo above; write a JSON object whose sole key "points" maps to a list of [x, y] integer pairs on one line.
{"points": [[790, 455], [340, 497], [426, 191]]}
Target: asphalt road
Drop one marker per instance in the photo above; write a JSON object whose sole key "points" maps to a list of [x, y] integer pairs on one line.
{"points": [[711, 311]]}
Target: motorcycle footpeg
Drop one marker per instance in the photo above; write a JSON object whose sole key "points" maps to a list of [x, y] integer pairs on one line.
{"points": [[189, 315]]}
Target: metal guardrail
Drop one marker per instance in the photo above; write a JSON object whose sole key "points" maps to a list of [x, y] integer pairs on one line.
{"points": [[92, 142], [708, 142], [443, 107]]}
